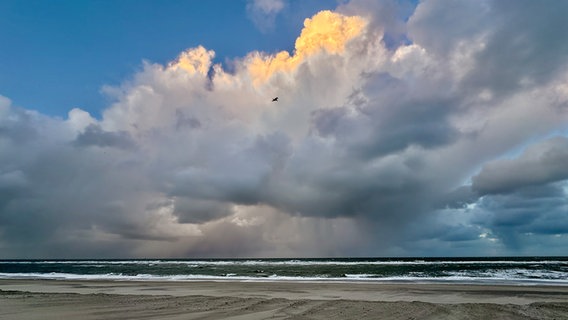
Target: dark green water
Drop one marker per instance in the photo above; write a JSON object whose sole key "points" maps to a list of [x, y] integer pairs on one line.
{"points": [[537, 270]]}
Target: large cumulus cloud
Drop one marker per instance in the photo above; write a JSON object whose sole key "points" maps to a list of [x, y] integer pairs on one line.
{"points": [[388, 138]]}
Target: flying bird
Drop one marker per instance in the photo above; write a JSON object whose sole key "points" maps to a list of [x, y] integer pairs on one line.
{"points": [[275, 99]]}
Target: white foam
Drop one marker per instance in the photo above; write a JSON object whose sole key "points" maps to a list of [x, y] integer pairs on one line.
{"points": [[456, 278]]}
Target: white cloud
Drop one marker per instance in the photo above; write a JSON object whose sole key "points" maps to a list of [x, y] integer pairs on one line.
{"points": [[264, 12]]}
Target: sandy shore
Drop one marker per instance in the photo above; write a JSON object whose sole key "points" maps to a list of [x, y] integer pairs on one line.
{"points": [[51, 299]]}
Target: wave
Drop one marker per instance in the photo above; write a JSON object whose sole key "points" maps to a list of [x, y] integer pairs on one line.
{"points": [[504, 278]]}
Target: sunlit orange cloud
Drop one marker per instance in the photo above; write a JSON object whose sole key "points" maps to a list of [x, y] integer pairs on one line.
{"points": [[326, 30], [197, 60]]}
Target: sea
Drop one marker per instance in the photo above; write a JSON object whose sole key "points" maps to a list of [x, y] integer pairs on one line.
{"points": [[502, 270]]}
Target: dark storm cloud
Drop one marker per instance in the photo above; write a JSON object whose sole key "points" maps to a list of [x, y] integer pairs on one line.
{"points": [[56, 198], [439, 26], [526, 46], [522, 201], [238, 176], [458, 198], [198, 211], [419, 122], [519, 42], [19, 127], [61, 189], [444, 232], [326, 122], [538, 165], [532, 210], [94, 135], [186, 121]]}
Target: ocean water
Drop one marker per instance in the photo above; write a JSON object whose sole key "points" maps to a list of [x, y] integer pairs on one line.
{"points": [[510, 270]]}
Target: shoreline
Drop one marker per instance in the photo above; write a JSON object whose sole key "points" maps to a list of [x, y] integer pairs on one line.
{"points": [[96, 299], [321, 290], [409, 281]]}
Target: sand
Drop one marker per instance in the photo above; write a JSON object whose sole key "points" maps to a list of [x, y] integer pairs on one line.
{"points": [[52, 299]]}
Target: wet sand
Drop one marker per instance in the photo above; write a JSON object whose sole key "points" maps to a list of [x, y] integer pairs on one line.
{"points": [[52, 299]]}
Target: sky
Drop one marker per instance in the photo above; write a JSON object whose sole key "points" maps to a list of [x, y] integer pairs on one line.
{"points": [[146, 129]]}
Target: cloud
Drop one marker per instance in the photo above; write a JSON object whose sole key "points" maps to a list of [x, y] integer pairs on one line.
{"points": [[521, 218], [326, 31], [18, 125], [441, 27], [526, 31], [95, 136], [263, 12], [540, 164], [380, 127]]}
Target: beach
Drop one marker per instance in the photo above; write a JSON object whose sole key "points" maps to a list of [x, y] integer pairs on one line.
{"points": [[64, 299]]}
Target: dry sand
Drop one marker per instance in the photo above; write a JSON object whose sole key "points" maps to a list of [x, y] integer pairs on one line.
{"points": [[50, 299]]}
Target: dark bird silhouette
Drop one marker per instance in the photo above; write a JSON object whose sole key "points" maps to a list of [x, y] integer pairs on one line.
{"points": [[275, 99]]}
